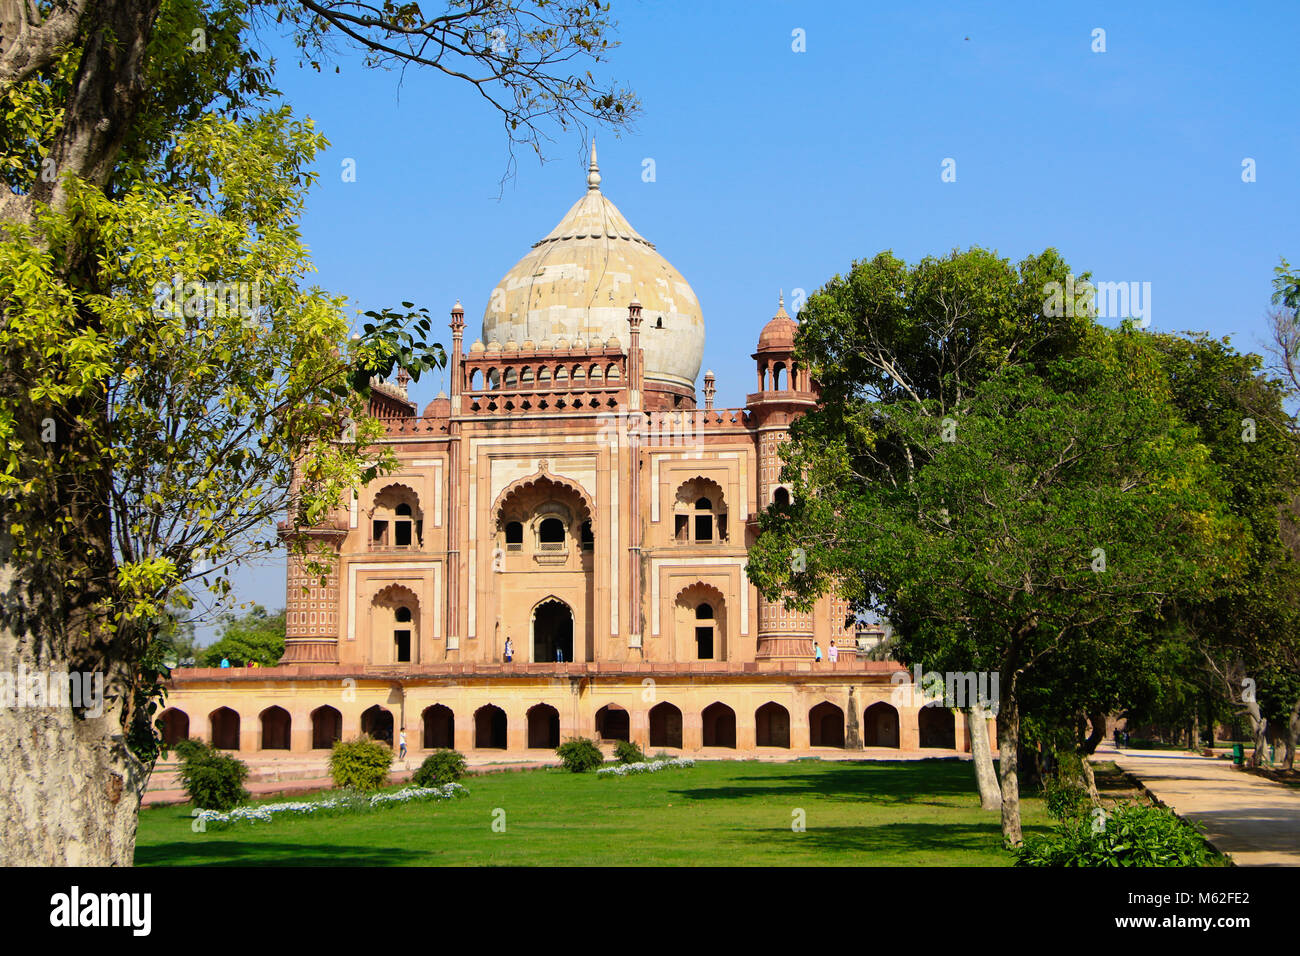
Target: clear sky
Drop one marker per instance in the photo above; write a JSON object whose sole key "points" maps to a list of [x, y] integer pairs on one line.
{"points": [[776, 169]]}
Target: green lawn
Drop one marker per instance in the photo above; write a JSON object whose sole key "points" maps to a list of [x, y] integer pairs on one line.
{"points": [[729, 813]]}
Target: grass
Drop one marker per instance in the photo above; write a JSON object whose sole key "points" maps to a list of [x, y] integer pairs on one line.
{"points": [[731, 813]]}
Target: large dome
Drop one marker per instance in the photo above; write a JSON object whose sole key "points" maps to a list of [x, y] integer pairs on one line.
{"points": [[577, 282]]}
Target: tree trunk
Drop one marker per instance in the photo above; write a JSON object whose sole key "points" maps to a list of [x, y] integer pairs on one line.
{"points": [[982, 756], [1009, 748], [72, 787], [1293, 733], [1088, 747], [1090, 782], [1258, 731]]}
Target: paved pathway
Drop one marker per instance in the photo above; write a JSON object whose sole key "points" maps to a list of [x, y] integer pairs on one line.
{"points": [[1256, 821]]}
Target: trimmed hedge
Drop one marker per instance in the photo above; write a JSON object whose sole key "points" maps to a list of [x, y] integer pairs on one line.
{"points": [[213, 780], [361, 764], [580, 755], [628, 752], [440, 767]]}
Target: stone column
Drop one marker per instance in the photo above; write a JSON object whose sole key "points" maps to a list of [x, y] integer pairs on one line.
{"points": [[853, 732]]}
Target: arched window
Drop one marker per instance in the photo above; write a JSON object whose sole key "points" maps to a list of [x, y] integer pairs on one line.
{"points": [[703, 520], [587, 538], [514, 536], [699, 513], [512, 378], [403, 525], [778, 377], [781, 497], [493, 379], [550, 535], [402, 636], [597, 375], [612, 374], [526, 376], [579, 374], [476, 380], [561, 375], [396, 520], [543, 375]]}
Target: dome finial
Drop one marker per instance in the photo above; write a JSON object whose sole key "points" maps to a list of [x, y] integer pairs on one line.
{"points": [[593, 171], [780, 298]]}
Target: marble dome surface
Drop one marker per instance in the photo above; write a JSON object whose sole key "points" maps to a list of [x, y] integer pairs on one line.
{"points": [[577, 281]]}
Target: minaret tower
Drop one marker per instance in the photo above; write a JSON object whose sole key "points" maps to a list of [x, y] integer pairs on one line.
{"points": [[784, 393]]}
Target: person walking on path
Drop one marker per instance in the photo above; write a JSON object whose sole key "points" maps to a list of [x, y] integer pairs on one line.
{"points": [[510, 650], [833, 653], [401, 738], [817, 653]]}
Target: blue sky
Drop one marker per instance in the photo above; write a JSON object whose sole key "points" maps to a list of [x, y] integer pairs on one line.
{"points": [[777, 169]]}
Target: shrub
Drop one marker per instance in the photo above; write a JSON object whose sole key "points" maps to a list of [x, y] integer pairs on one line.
{"points": [[580, 755], [1128, 835], [213, 780], [1065, 798], [361, 764], [628, 752], [440, 767]]}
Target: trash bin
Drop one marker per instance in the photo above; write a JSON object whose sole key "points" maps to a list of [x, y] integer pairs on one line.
{"points": [[1238, 755]]}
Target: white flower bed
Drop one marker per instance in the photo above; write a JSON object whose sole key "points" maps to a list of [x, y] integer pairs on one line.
{"points": [[654, 766], [266, 812]]}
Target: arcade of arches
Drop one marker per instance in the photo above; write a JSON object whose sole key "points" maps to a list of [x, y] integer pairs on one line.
{"points": [[536, 715]]}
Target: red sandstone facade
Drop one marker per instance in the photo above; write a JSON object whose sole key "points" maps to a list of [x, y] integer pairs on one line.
{"points": [[570, 496]]}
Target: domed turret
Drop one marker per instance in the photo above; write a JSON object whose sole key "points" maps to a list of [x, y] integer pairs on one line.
{"points": [[778, 334], [576, 284]]}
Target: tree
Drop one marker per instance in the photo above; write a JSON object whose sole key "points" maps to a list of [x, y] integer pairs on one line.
{"points": [[998, 512], [1244, 632], [253, 637], [148, 438]]}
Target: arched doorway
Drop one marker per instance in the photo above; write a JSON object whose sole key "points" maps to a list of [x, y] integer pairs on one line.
{"points": [[938, 728], [490, 728], [439, 728], [719, 726], [552, 631], [880, 725], [543, 727], [700, 623], [175, 726], [613, 723], [275, 728], [826, 725], [225, 728], [665, 726], [772, 726], [326, 727], [378, 723], [395, 626]]}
